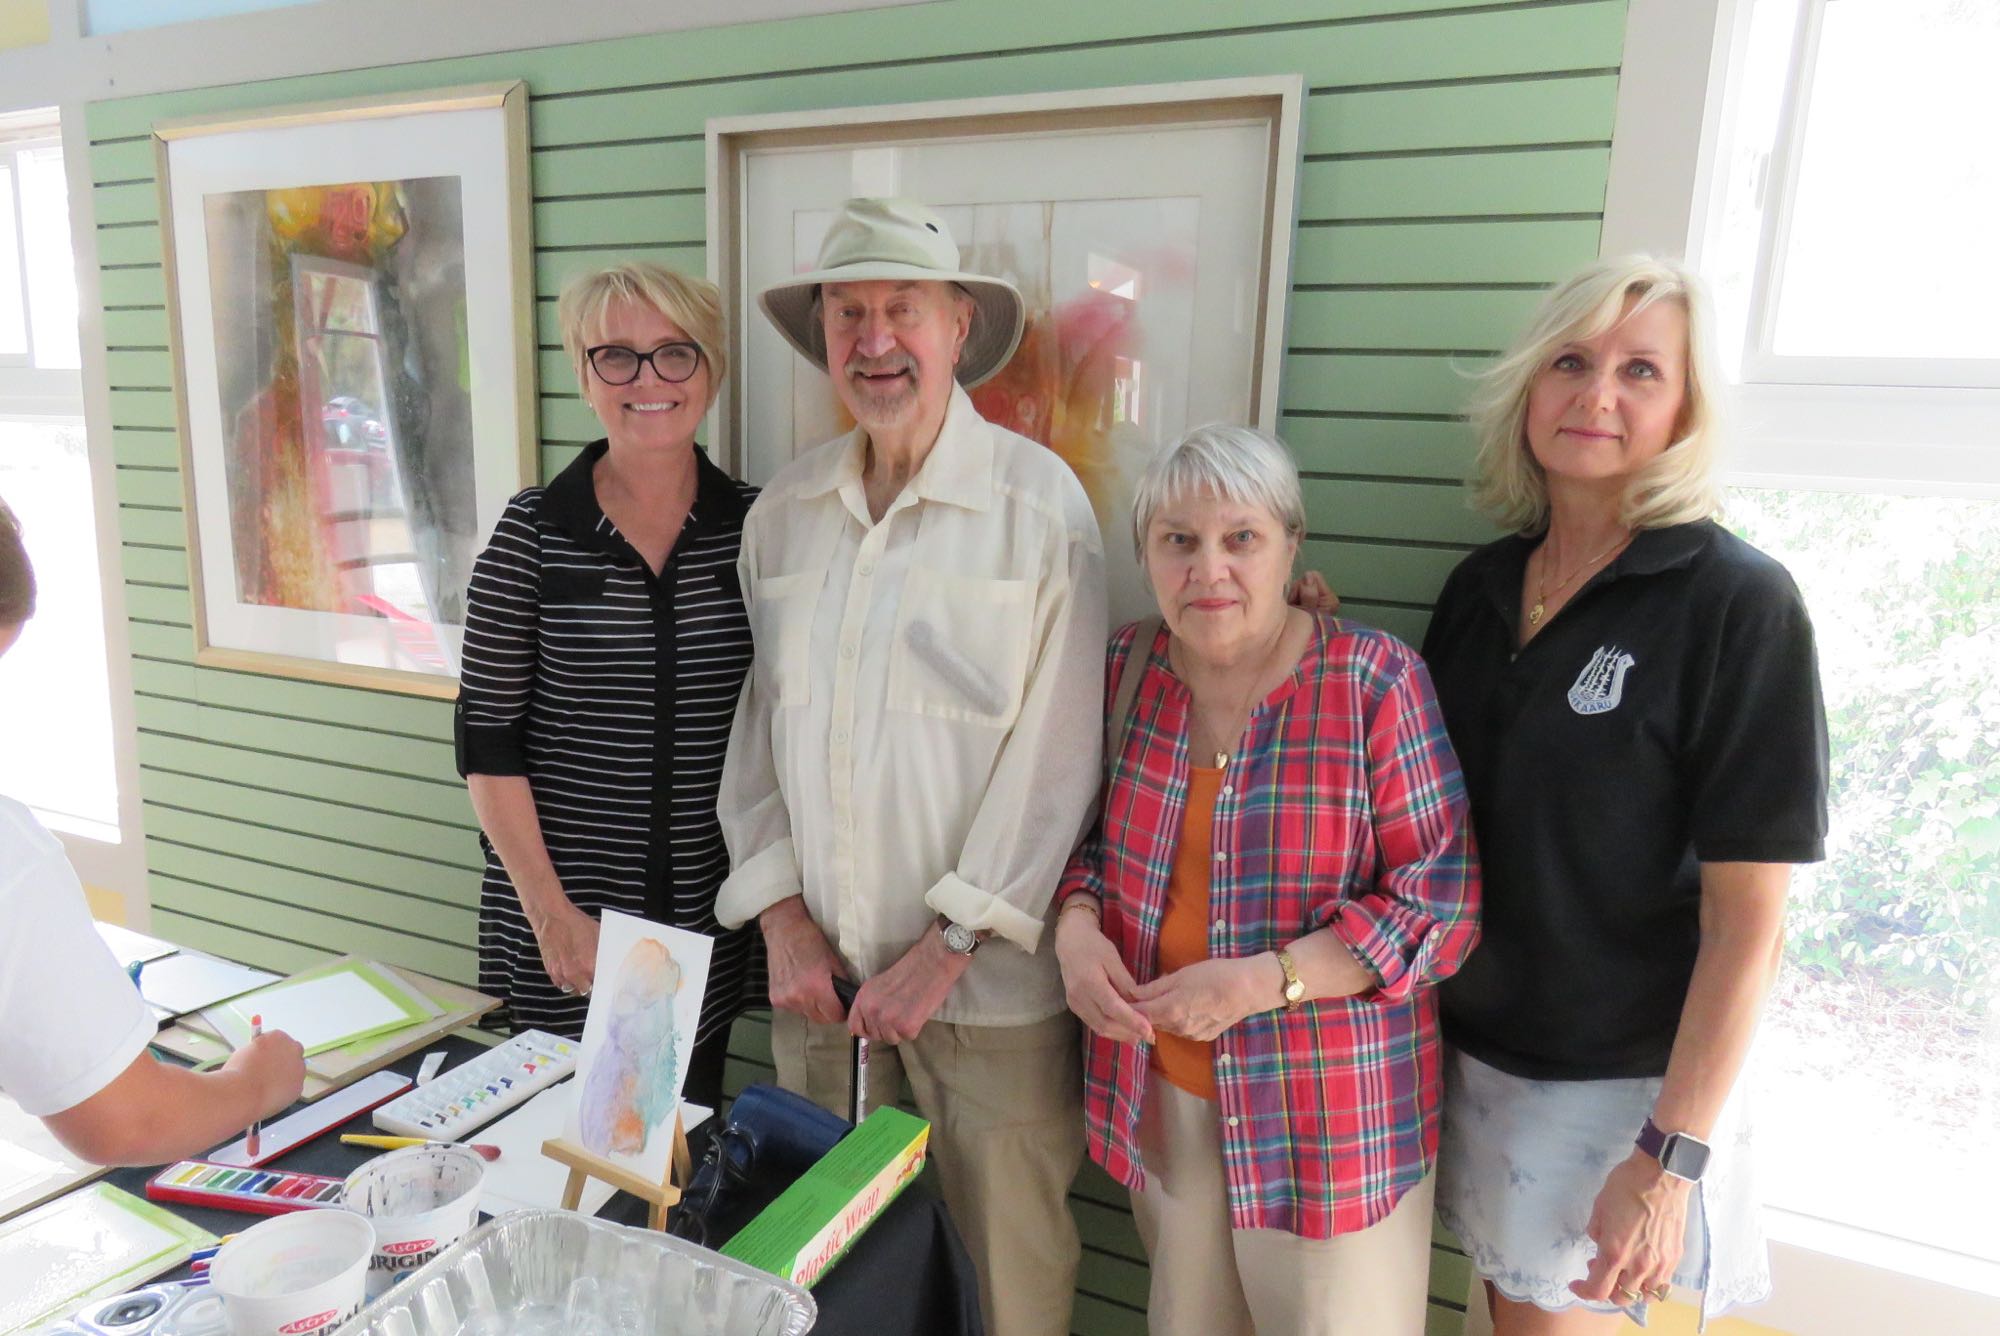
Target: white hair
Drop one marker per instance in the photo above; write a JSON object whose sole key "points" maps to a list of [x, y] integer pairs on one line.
{"points": [[1239, 464]]}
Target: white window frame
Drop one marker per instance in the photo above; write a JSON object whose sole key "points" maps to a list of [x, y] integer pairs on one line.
{"points": [[1762, 363], [1916, 426], [1672, 132], [106, 860]]}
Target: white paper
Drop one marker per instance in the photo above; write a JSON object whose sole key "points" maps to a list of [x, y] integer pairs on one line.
{"points": [[523, 1178], [20, 1167], [83, 1245], [329, 1010], [645, 1002], [188, 981], [129, 946]]}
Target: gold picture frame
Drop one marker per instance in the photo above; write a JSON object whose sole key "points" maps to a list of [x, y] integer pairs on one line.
{"points": [[350, 298]]}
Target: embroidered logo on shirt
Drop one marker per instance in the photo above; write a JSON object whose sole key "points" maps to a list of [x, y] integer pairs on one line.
{"points": [[1601, 684]]}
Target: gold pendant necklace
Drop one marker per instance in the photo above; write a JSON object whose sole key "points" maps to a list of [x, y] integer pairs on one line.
{"points": [[1541, 581]]}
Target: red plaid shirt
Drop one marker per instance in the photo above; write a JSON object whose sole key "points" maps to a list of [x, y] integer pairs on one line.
{"points": [[1344, 808]]}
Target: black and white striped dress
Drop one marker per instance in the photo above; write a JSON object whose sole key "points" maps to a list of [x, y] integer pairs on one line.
{"points": [[612, 691]]}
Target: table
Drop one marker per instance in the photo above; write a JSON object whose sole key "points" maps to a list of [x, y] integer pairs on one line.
{"points": [[908, 1273]]}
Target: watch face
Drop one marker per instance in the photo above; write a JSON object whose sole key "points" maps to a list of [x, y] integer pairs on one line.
{"points": [[1295, 992], [960, 939], [1684, 1157]]}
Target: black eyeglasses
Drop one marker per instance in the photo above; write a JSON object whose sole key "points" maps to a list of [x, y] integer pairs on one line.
{"points": [[615, 364]]}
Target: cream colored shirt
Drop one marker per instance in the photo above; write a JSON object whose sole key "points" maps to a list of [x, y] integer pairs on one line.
{"points": [[920, 730]]}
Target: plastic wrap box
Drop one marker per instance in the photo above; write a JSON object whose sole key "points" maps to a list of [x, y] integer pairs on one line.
{"points": [[813, 1221]]}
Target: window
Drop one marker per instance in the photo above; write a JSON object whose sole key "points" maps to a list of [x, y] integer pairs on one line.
{"points": [[1847, 236], [1884, 1027], [59, 756], [1854, 192]]}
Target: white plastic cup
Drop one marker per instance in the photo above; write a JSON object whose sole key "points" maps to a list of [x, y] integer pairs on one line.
{"points": [[294, 1274], [421, 1200]]}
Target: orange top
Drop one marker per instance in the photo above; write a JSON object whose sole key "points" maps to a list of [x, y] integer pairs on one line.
{"points": [[1189, 1063]]}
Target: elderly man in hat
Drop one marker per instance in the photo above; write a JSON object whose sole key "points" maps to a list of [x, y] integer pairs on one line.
{"points": [[917, 745]]}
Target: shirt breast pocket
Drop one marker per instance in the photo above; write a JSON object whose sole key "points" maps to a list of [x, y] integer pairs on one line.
{"points": [[781, 618], [961, 647]]}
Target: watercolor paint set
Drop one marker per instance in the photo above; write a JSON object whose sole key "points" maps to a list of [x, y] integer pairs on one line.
{"points": [[228, 1187]]}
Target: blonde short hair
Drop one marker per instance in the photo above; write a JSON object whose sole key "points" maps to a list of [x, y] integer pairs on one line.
{"points": [[1240, 464], [695, 304], [1676, 488]]}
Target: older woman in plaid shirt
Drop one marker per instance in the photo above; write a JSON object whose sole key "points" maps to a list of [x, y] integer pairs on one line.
{"points": [[1253, 933]]}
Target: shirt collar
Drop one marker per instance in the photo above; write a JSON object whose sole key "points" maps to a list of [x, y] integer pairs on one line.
{"points": [[958, 470], [1650, 552], [570, 499]]}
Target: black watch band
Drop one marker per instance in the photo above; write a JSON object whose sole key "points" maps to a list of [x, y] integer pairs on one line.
{"points": [[1681, 1155]]}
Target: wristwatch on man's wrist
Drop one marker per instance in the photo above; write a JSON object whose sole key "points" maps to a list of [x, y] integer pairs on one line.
{"points": [[1682, 1156], [959, 939]]}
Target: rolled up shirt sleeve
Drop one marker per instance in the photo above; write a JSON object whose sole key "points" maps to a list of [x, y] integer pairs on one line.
{"points": [[1420, 919]]}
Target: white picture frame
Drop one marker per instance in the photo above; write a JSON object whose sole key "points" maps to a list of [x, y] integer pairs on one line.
{"points": [[342, 467], [1180, 197]]}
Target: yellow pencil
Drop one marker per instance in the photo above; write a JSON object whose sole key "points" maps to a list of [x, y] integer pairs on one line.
{"points": [[382, 1143]]}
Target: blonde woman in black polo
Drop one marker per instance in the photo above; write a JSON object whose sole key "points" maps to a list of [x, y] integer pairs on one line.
{"points": [[605, 646], [1633, 694]]}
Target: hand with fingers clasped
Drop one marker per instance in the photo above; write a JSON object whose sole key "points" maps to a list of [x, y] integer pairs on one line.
{"points": [[893, 1006], [1639, 1224], [1096, 983], [1201, 1000], [568, 938]]}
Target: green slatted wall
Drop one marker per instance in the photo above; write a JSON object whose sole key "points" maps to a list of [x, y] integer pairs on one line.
{"points": [[1455, 162]]}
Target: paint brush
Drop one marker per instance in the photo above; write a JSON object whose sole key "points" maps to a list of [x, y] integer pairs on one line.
{"points": [[250, 1138], [482, 1149]]}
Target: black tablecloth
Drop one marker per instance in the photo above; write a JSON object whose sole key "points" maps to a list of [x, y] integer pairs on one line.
{"points": [[908, 1273]]}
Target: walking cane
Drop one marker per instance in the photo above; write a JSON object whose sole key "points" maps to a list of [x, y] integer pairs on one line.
{"points": [[857, 1071]]}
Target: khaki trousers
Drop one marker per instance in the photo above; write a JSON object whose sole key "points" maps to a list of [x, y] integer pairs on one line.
{"points": [[1212, 1280], [1005, 1104]]}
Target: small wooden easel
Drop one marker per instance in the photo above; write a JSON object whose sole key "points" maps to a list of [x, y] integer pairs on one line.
{"points": [[660, 1197]]}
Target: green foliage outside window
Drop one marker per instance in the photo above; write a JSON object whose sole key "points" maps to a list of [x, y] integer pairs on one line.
{"points": [[1905, 597]]}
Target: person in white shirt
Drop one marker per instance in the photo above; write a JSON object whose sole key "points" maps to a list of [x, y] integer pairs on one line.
{"points": [[917, 746], [73, 1030]]}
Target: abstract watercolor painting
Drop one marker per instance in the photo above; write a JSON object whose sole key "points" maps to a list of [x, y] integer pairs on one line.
{"points": [[351, 302], [637, 1039]]}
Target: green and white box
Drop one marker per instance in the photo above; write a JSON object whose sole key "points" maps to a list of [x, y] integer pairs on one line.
{"points": [[809, 1227]]}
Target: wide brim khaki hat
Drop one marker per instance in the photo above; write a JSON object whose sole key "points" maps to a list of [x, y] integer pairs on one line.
{"points": [[897, 239]]}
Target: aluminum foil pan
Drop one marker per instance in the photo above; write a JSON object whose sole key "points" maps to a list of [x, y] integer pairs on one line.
{"points": [[556, 1273]]}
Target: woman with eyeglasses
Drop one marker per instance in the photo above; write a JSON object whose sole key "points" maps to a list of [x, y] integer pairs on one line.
{"points": [[605, 646]]}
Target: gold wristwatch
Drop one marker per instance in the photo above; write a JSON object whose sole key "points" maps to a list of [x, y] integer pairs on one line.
{"points": [[1295, 987]]}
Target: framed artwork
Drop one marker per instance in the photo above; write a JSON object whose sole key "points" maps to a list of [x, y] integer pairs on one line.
{"points": [[351, 298], [1149, 229], [637, 1039]]}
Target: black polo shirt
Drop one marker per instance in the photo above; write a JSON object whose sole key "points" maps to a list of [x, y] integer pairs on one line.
{"points": [[1668, 715]]}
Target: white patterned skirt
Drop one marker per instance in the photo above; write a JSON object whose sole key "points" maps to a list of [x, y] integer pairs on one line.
{"points": [[1521, 1163]]}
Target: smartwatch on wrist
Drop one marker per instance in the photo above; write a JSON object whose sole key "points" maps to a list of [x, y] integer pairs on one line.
{"points": [[1682, 1156]]}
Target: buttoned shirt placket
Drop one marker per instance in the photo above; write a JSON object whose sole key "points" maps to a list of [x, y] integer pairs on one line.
{"points": [[846, 675]]}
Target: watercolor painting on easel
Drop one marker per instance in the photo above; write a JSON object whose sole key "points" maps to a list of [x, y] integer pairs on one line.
{"points": [[637, 1040]]}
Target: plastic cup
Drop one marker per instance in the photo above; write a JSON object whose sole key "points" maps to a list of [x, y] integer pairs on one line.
{"points": [[294, 1274], [421, 1199]]}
